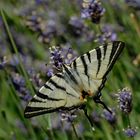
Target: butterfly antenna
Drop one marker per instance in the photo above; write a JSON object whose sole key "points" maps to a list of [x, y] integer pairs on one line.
{"points": [[98, 100], [88, 117]]}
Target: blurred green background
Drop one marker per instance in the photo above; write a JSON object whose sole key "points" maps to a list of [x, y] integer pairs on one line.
{"points": [[28, 29]]}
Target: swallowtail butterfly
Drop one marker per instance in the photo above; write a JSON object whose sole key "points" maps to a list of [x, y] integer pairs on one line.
{"points": [[84, 77]]}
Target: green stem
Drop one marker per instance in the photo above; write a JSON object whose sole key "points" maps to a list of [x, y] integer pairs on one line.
{"points": [[74, 129], [100, 29], [16, 51], [129, 123]]}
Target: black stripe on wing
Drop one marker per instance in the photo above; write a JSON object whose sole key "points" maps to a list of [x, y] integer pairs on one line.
{"points": [[117, 48], [70, 74], [89, 57], [56, 85], [36, 111], [75, 66], [85, 67], [98, 52], [104, 48], [59, 75], [48, 87], [44, 96]]}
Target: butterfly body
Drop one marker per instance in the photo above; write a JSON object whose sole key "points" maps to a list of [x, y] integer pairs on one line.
{"points": [[84, 77]]}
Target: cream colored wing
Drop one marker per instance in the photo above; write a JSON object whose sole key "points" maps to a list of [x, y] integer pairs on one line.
{"points": [[54, 95], [93, 66]]}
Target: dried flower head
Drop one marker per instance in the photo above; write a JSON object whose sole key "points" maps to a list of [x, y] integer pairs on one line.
{"points": [[76, 26], [125, 100], [130, 132], [92, 9]]}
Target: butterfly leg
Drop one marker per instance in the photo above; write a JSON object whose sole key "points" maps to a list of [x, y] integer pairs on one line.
{"points": [[98, 100], [88, 117]]}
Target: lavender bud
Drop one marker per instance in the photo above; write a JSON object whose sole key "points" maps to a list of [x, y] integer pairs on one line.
{"points": [[50, 72], [130, 132]]}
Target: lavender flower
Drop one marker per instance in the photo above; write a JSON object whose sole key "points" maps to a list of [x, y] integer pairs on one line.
{"points": [[19, 124], [96, 117], [48, 31], [18, 80], [80, 129], [108, 34], [76, 26], [125, 100], [35, 78], [130, 132], [92, 9], [56, 57], [20, 86], [33, 22], [60, 55], [68, 53], [68, 116], [134, 4], [37, 2], [110, 117]]}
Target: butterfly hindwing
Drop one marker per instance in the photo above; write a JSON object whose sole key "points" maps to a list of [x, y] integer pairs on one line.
{"points": [[54, 95]]}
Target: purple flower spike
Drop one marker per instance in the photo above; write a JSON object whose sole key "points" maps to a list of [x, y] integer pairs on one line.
{"points": [[56, 58], [130, 132], [125, 100]]}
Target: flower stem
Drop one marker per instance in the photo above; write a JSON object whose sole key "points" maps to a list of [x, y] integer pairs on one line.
{"points": [[74, 129], [100, 29], [129, 123], [16, 51]]}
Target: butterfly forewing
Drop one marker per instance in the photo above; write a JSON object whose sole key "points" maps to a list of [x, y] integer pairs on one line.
{"points": [[96, 64]]}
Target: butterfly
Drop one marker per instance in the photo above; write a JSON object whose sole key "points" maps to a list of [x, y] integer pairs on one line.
{"points": [[84, 77]]}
